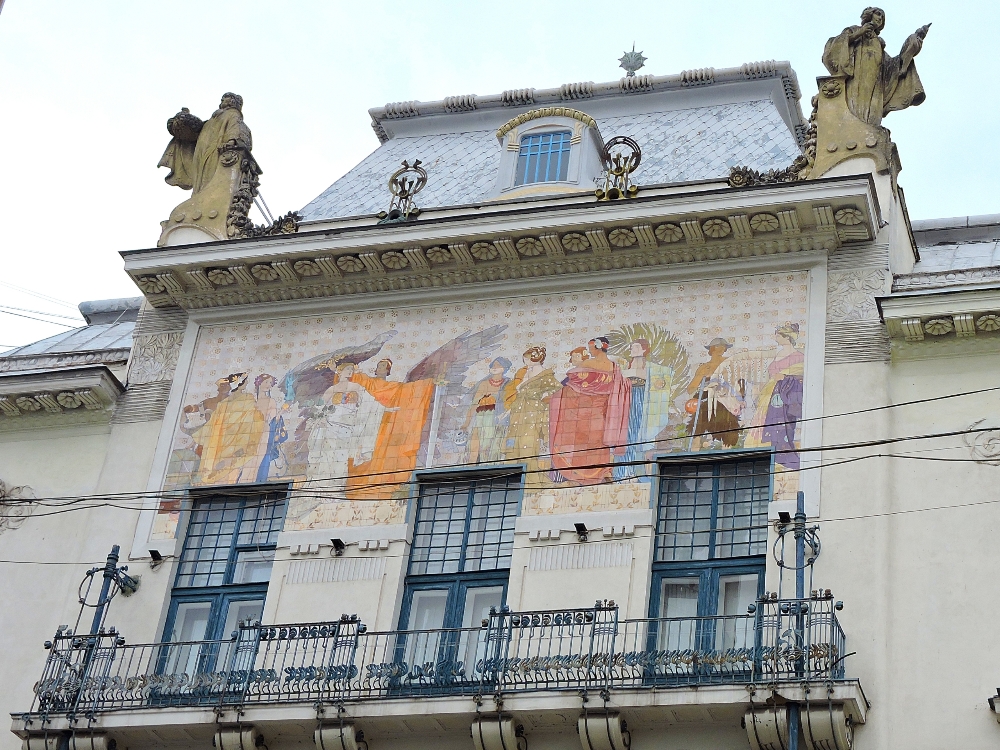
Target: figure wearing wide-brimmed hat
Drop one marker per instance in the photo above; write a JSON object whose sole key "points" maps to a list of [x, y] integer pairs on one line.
{"points": [[710, 418]]}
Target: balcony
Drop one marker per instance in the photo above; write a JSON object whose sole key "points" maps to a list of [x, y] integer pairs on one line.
{"points": [[565, 655]]}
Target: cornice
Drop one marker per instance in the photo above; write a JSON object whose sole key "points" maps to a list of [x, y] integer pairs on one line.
{"points": [[629, 86], [44, 397], [941, 315], [524, 243]]}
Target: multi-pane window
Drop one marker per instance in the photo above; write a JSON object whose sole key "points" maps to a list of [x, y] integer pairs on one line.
{"points": [[463, 538], [712, 511], [543, 158], [708, 563], [465, 526], [231, 540], [222, 577]]}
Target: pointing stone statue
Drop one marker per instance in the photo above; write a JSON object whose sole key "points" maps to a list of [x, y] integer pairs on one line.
{"points": [[877, 83], [213, 160]]}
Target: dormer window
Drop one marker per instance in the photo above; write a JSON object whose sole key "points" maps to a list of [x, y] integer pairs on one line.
{"points": [[543, 157], [550, 150]]}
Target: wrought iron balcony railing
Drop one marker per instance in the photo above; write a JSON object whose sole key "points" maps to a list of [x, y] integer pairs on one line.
{"points": [[511, 652]]}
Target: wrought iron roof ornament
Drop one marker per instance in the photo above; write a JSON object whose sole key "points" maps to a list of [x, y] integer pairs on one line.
{"points": [[620, 158], [631, 61], [405, 183]]}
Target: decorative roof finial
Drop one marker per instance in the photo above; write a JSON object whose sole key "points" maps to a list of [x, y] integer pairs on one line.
{"points": [[631, 61], [404, 183], [621, 157]]}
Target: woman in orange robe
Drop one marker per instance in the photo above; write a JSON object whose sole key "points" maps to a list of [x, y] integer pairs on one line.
{"points": [[395, 454]]}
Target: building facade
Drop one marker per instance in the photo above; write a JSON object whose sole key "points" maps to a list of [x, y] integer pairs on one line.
{"points": [[509, 437]]}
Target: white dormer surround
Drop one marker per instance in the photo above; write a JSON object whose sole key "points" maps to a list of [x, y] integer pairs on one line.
{"points": [[586, 146]]}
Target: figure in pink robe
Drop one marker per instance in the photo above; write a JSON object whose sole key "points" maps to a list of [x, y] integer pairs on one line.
{"points": [[588, 419]]}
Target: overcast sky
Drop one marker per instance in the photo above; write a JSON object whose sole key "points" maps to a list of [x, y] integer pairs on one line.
{"points": [[86, 89]]}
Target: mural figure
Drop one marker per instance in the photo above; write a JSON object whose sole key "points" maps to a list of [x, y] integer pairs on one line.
{"points": [[230, 440], [347, 428], [274, 432], [333, 431], [713, 415], [306, 384], [657, 370], [488, 416], [779, 402], [527, 398], [410, 407], [588, 418], [877, 83], [370, 413], [204, 408]]}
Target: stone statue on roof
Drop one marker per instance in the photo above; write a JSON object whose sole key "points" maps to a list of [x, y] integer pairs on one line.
{"points": [[212, 159], [877, 83]]}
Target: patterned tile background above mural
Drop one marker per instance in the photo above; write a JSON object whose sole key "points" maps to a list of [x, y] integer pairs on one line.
{"points": [[347, 406]]}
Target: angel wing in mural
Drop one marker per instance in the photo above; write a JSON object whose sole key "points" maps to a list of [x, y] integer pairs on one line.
{"points": [[309, 380], [447, 367]]}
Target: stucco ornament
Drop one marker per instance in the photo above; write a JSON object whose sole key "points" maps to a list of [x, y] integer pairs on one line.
{"points": [[394, 260], [212, 159], [939, 326], [763, 222], [988, 322], [852, 294], [575, 242], [154, 357], [16, 504], [668, 233], [622, 237], [484, 251]]}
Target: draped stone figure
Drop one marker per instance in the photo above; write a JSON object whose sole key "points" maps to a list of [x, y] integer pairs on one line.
{"points": [[196, 148], [212, 159], [877, 83]]}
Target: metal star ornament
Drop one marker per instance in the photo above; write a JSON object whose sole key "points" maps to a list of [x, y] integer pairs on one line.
{"points": [[631, 61]]}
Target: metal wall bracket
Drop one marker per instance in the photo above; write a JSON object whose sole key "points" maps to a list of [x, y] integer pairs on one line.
{"points": [[603, 730], [237, 737], [767, 727], [339, 736], [828, 728], [825, 728], [68, 741], [497, 732]]}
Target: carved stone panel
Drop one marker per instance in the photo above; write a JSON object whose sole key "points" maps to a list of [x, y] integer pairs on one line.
{"points": [[851, 294], [154, 357]]}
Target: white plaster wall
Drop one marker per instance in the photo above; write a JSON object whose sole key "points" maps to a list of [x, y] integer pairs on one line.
{"points": [[917, 584], [71, 462]]}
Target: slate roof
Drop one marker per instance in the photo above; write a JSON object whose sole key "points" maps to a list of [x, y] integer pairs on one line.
{"points": [[93, 338], [680, 145], [108, 340], [960, 243], [956, 253]]}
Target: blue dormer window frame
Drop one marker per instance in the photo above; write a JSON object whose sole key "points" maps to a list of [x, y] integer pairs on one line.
{"points": [[543, 157]]}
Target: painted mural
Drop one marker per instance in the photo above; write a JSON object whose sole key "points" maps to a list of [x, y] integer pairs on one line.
{"points": [[581, 389]]}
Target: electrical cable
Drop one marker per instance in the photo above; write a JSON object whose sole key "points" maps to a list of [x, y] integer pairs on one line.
{"points": [[302, 487], [40, 320], [42, 312]]}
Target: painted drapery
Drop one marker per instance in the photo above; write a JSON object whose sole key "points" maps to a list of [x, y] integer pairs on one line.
{"points": [[588, 425], [423, 379]]}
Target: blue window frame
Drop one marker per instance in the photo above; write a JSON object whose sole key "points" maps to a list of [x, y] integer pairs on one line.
{"points": [[225, 565], [463, 538], [709, 554], [543, 158]]}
